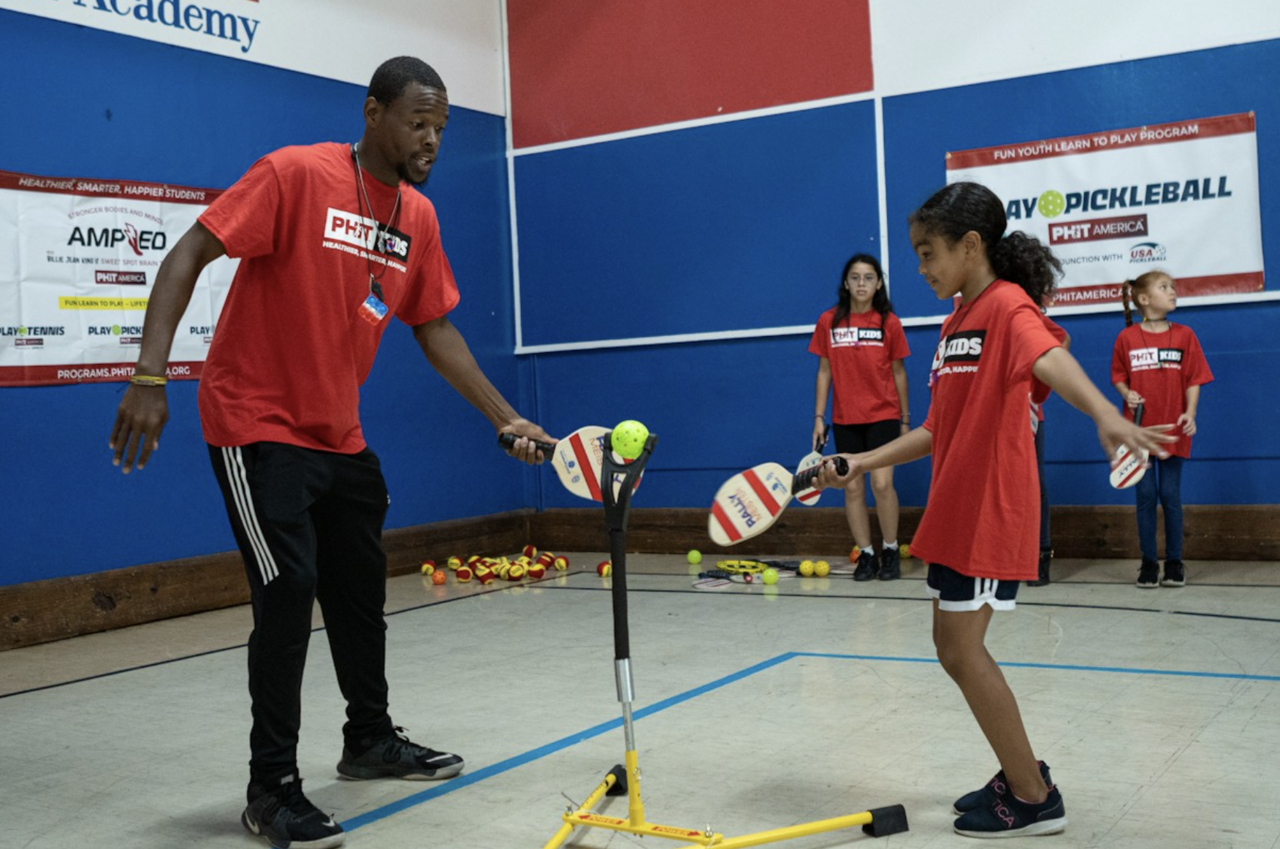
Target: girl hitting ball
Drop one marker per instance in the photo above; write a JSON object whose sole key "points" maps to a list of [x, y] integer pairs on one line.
{"points": [[979, 532], [861, 346], [1160, 365]]}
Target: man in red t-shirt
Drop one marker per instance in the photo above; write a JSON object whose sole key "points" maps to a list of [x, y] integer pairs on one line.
{"points": [[332, 243]]}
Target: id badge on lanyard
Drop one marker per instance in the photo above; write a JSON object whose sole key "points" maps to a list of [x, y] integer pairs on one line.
{"points": [[373, 310]]}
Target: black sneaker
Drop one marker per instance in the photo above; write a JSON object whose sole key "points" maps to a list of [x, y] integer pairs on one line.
{"points": [[866, 569], [1046, 557], [287, 820], [890, 565], [1148, 574], [991, 791], [397, 756], [1009, 816], [1175, 574]]}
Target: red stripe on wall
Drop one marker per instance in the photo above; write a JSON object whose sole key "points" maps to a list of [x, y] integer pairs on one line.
{"points": [[586, 67]]}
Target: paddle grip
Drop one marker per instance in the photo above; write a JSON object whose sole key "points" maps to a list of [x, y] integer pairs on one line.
{"points": [[804, 480], [1137, 415], [506, 440]]}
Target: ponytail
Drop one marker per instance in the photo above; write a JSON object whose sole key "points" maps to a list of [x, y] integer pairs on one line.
{"points": [[1126, 298], [1025, 260]]}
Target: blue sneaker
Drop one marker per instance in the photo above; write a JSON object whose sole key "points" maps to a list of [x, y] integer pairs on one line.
{"points": [[1011, 817], [991, 791]]}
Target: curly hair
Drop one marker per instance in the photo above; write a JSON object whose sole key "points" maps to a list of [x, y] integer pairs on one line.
{"points": [[394, 74], [1017, 257], [844, 300]]}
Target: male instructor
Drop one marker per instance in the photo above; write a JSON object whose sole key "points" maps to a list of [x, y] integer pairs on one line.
{"points": [[333, 240]]}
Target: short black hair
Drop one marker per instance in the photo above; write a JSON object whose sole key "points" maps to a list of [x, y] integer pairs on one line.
{"points": [[393, 75]]}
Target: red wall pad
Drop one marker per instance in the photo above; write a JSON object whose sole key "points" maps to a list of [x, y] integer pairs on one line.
{"points": [[589, 67]]}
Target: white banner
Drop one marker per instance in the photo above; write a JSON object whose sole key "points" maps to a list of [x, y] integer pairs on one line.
{"points": [[74, 290], [1182, 197]]}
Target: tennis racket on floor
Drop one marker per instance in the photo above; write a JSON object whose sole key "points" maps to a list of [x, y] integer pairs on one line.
{"points": [[748, 503], [750, 571], [1130, 464], [577, 459]]}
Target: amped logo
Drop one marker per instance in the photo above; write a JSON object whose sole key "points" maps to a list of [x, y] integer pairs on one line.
{"points": [[108, 237], [963, 347]]}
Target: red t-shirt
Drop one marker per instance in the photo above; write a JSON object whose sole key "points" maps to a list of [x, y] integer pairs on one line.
{"points": [[1040, 391], [983, 514], [1160, 367], [861, 351], [296, 339]]}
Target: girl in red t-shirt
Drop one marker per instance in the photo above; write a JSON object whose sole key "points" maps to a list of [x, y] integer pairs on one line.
{"points": [[861, 346], [979, 533], [1160, 365]]}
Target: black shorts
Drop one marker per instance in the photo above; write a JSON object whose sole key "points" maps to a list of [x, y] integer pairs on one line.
{"points": [[857, 438], [957, 593]]}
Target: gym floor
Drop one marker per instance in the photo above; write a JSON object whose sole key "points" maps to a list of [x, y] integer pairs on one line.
{"points": [[757, 707]]}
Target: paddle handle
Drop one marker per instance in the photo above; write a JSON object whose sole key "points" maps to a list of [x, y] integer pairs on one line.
{"points": [[506, 440], [804, 480], [1137, 415]]}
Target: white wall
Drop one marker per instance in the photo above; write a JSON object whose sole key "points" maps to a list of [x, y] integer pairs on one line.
{"points": [[462, 39], [929, 44]]}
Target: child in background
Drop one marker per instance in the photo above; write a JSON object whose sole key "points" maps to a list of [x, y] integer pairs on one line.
{"points": [[1040, 394], [861, 347], [1159, 364], [979, 529]]}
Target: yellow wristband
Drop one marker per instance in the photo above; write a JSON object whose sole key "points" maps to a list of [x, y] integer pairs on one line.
{"points": [[148, 380]]}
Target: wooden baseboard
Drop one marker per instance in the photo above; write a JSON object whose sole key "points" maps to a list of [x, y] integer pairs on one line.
{"points": [[1246, 532], [43, 611]]}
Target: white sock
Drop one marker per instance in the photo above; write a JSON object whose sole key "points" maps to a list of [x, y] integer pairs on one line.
{"points": [[869, 549], [893, 545]]}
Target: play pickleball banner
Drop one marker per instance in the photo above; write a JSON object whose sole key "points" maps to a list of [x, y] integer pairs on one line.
{"points": [[75, 283], [1182, 197]]}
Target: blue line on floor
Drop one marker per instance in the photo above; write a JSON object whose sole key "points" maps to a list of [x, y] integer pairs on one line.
{"points": [[455, 784], [1235, 676], [500, 767]]}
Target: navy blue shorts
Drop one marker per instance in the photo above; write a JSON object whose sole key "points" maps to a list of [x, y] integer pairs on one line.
{"points": [[857, 438], [959, 593]]}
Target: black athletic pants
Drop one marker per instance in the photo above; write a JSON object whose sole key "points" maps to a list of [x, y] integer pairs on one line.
{"points": [[309, 526]]}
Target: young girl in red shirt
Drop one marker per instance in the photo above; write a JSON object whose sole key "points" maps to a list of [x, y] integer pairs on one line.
{"points": [[979, 533], [1159, 365], [861, 346]]}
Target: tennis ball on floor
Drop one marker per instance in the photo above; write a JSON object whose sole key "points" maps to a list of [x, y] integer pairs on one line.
{"points": [[516, 572], [484, 576], [904, 551], [822, 568], [428, 566], [529, 550], [454, 563], [545, 559], [537, 570], [437, 577], [604, 568], [561, 563], [769, 576], [463, 573], [695, 556], [628, 439], [806, 568]]}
